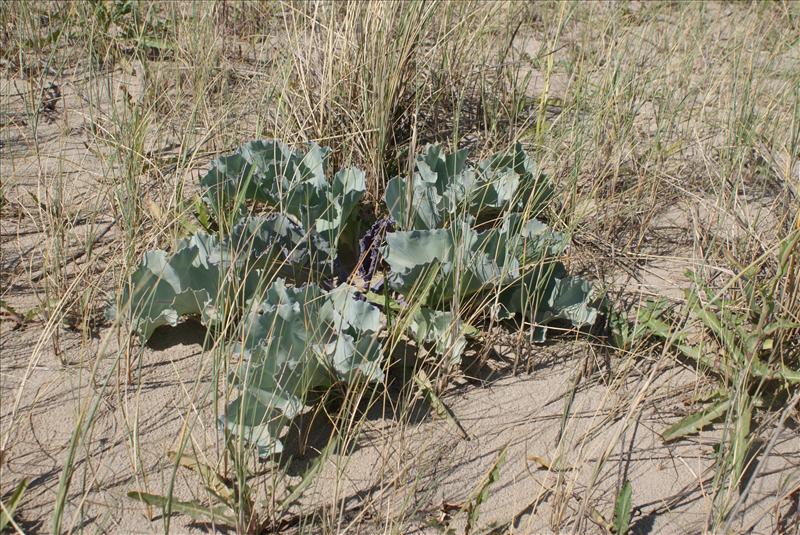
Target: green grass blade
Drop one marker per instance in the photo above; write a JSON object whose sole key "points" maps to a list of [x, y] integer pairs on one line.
{"points": [[481, 492], [7, 512], [789, 375], [220, 514], [395, 306], [741, 438], [623, 509], [439, 406], [694, 422], [715, 323], [212, 480], [308, 476]]}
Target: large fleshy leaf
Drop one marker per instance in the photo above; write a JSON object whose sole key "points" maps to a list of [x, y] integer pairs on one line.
{"points": [[293, 340], [166, 287], [292, 184], [412, 254], [546, 294], [438, 187], [342, 198], [260, 171], [569, 300], [278, 244], [510, 180], [438, 209], [470, 260], [443, 188], [440, 329], [465, 232], [354, 323], [205, 277]]}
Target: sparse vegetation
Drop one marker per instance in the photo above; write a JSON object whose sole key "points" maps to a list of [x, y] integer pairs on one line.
{"points": [[384, 302]]}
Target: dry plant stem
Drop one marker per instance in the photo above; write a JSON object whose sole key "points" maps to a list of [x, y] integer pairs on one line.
{"points": [[631, 415], [37, 276], [671, 132], [36, 354], [731, 517]]}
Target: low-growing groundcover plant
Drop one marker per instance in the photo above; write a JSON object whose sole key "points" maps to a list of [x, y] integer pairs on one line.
{"points": [[743, 338], [302, 300]]}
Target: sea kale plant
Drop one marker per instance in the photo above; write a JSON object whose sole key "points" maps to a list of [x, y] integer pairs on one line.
{"points": [[277, 276], [475, 232]]}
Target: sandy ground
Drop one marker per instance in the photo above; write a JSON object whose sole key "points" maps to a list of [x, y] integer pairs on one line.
{"points": [[414, 472], [417, 474]]}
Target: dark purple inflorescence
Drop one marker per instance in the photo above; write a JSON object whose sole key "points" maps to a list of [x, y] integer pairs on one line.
{"points": [[370, 245]]}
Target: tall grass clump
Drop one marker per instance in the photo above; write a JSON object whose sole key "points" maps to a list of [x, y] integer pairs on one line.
{"points": [[163, 296]]}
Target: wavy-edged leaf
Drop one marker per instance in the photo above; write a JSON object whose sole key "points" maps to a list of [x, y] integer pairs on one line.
{"points": [[443, 188], [548, 294], [258, 171], [293, 340], [463, 258], [569, 300], [166, 287], [514, 259], [291, 183], [411, 256], [435, 191], [511, 179], [440, 329], [354, 325], [273, 238]]}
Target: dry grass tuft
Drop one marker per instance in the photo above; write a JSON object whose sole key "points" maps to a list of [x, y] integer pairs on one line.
{"points": [[672, 132]]}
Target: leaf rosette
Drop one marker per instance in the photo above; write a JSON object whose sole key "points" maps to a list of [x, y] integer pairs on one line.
{"points": [[295, 340], [458, 237]]}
